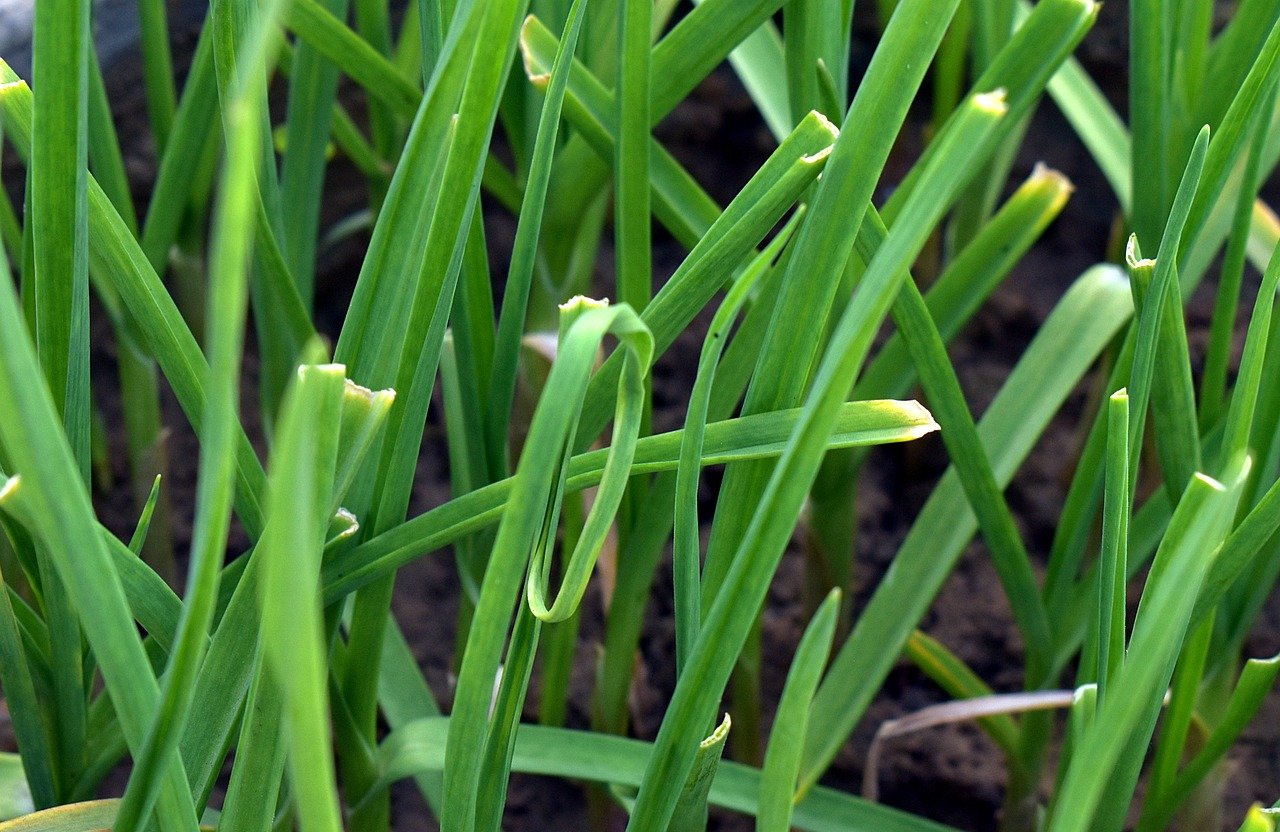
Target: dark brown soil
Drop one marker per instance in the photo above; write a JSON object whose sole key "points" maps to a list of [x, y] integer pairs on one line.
{"points": [[951, 774]]}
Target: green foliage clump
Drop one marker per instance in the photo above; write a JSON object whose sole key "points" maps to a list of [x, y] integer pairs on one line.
{"points": [[285, 657]]}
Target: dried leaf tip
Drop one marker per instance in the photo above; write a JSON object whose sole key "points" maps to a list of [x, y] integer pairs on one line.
{"points": [[924, 425], [995, 102], [538, 76], [1133, 255], [1209, 481], [581, 303], [1043, 173], [374, 397], [574, 308], [826, 122], [717, 736], [328, 369], [343, 526]]}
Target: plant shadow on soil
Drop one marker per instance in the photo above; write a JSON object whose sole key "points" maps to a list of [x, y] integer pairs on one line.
{"points": [[951, 774]]}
